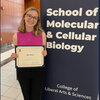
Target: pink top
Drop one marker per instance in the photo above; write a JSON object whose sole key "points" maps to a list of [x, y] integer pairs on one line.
{"points": [[29, 38]]}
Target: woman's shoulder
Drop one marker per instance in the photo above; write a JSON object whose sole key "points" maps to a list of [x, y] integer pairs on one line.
{"points": [[15, 34], [43, 33]]}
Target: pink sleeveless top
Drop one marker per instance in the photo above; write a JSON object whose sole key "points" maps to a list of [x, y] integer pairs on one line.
{"points": [[29, 38]]}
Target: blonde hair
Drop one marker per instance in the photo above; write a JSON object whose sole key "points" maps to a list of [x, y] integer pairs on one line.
{"points": [[37, 28]]}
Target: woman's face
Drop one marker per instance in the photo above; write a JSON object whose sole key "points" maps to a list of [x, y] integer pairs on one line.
{"points": [[31, 18]]}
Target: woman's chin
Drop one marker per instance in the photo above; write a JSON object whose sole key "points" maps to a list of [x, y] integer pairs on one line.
{"points": [[30, 25]]}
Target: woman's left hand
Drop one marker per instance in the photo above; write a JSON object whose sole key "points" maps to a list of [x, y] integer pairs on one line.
{"points": [[44, 52]]}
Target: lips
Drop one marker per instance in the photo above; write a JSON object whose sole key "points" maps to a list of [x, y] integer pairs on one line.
{"points": [[30, 23]]}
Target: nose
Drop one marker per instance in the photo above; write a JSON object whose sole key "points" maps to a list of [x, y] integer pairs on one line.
{"points": [[31, 19]]}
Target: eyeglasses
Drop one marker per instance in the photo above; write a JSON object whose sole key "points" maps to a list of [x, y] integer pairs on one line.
{"points": [[32, 17]]}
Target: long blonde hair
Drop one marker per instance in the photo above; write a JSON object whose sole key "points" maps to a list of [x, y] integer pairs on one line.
{"points": [[37, 28]]}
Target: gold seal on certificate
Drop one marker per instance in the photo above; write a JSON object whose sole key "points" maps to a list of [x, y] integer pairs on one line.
{"points": [[29, 56]]}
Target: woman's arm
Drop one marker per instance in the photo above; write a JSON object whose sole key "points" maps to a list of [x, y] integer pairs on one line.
{"points": [[44, 40], [15, 39], [14, 55], [44, 43]]}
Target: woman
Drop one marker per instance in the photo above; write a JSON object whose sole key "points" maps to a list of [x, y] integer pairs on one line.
{"points": [[30, 33]]}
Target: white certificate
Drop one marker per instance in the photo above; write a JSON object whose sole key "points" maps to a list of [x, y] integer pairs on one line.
{"points": [[29, 56]]}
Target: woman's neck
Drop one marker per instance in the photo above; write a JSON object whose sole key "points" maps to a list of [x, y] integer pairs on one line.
{"points": [[29, 29]]}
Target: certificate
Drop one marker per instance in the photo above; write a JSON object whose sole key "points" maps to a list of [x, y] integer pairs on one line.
{"points": [[29, 56]]}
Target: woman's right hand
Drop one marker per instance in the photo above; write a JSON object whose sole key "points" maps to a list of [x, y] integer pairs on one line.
{"points": [[14, 55]]}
